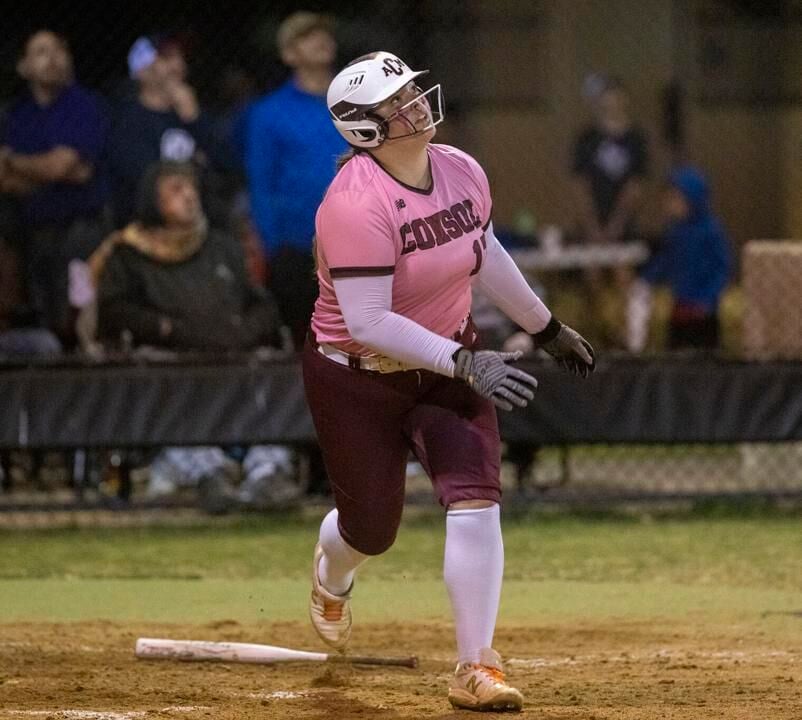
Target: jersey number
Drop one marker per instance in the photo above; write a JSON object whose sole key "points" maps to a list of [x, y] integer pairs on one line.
{"points": [[478, 247]]}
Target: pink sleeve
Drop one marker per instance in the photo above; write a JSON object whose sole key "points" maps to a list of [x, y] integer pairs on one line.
{"points": [[354, 236]]}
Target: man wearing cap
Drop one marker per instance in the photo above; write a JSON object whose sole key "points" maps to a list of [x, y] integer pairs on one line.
{"points": [[163, 122], [291, 150], [52, 142]]}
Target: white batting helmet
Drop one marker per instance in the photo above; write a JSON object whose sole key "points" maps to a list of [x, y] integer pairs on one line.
{"points": [[365, 83]]}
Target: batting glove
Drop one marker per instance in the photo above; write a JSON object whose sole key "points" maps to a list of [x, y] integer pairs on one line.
{"points": [[489, 375], [567, 346]]}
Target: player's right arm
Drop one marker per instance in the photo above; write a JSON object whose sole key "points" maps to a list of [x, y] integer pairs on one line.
{"points": [[365, 304]]}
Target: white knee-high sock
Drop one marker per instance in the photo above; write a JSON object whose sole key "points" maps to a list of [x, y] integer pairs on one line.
{"points": [[340, 560], [473, 568]]}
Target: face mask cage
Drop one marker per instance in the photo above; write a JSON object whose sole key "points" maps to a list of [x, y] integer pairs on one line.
{"points": [[430, 101]]}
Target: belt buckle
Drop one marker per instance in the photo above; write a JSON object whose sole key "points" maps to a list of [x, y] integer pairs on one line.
{"points": [[387, 365]]}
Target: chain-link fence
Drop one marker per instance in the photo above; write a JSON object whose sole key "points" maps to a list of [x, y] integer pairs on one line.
{"points": [[709, 83]]}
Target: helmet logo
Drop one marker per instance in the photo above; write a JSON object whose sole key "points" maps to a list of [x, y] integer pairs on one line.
{"points": [[393, 66], [356, 80]]}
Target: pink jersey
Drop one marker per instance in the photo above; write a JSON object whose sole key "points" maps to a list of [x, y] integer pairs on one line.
{"points": [[431, 241]]}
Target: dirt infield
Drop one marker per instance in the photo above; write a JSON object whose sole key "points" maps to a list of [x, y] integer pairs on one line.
{"points": [[624, 670]]}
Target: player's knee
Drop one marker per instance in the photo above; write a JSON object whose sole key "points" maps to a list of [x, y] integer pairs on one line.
{"points": [[370, 539], [375, 543]]}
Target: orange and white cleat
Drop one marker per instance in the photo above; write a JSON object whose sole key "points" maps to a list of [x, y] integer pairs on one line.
{"points": [[482, 686], [330, 614]]}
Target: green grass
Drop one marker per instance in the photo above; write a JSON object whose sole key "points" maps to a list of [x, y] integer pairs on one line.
{"points": [[763, 551], [258, 569], [261, 600]]}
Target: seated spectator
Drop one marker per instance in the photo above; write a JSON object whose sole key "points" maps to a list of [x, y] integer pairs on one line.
{"points": [[168, 281], [51, 145], [694, 261], [164, 121]]}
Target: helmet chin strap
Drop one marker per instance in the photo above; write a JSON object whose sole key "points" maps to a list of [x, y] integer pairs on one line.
{"points": [[411, 125]]}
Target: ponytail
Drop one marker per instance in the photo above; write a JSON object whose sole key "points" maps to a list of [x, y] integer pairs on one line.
{"points": [[346, 156]]}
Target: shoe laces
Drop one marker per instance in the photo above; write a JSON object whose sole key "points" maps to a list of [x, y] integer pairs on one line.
{"points": [[495, 673]]}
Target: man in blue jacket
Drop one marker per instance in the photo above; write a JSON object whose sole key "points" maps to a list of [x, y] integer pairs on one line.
{"points": [[694, 261], [291, 151]]}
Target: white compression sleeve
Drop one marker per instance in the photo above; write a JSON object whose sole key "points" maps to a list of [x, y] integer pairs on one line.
{"points": [[502, 282], [473, 568], [365, 303], [340, 560]]}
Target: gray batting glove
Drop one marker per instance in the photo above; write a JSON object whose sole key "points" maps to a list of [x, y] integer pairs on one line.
{"points": [[567, 346], [489, 375]]}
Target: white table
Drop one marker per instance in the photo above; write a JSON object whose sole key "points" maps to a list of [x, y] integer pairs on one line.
{"points": [[575, 257]]}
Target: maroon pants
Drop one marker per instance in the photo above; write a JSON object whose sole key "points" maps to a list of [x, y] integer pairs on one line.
{"points": [[367, 423]]}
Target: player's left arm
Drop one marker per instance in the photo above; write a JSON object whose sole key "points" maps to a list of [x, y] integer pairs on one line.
{"points": [[504, 284]]}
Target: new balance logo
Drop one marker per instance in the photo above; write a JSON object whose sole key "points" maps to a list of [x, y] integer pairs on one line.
{"points": [[472, 685], [400, 204]]}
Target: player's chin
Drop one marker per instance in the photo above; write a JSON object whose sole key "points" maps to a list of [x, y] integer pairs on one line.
{"points": [[425, 135]]}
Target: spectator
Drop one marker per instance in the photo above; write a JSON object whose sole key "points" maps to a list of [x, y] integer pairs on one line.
{"points": [[149, 276], [291, 150], [694, 261], [51, 144], [610, 163], [163, 122], [171, 248]]}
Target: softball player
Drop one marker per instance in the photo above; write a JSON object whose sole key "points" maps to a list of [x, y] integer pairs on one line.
{"points": [[391, 366]]}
